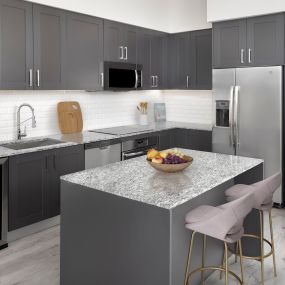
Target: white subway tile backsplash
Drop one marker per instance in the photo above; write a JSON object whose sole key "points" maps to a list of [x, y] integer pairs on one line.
{"points": [[99, 109]]}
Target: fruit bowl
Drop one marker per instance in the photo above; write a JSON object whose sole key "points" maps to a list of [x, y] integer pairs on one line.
{"points": [[169, 161]]}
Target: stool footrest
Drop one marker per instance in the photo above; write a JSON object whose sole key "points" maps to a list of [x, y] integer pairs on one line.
{"points": [[214, 268]]}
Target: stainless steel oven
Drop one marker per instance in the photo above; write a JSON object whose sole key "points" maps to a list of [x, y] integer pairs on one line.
{"points": [[3, 202], [122, 76], [138, 147]]}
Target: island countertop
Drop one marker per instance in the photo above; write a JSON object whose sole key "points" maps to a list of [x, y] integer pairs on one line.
{"points": [[136, 180]]}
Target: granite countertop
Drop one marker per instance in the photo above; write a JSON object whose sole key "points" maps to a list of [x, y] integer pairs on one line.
{"points": [[136, 180], [89, 137]]}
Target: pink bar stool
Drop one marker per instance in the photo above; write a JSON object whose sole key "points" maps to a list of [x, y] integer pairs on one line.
{"points": [[262, 193], [224, 223]]}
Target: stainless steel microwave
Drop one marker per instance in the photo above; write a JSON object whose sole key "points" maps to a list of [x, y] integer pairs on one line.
{"points": [[122, 76]]}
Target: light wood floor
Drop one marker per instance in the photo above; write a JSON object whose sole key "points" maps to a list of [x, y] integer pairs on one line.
{"points": [[34, 260]]}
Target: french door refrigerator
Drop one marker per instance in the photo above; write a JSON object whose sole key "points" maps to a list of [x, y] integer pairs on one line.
{"points": [[248, 115]]}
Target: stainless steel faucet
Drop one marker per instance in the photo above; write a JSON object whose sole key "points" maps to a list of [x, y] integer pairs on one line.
{"points": [[19, 123]]}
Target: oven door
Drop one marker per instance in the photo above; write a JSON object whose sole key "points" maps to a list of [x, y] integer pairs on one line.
{"points": [[134, 153], [121, 76]]}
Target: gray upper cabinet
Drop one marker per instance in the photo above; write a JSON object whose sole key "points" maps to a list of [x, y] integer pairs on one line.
{"points": [[257, 41], [49, 48], [229, 44], [84, 53], [144, 57], [120, 42], [151, 55], [190, 60], [16, 45], [202, 42], [265, 40]]}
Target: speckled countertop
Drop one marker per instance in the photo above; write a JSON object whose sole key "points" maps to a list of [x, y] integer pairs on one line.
{"points": [[90, 137], [136, 180]]}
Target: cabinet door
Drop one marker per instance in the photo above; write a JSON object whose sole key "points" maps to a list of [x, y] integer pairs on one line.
{"points": [[84, 53], [61, 162], [16, 45], [143, 57], [179, 56], [49, 47], [27, 189], [157, 50], [203, 59], [166, 139], [130, 43], [229, 44], [265, 40], [114, 41]]}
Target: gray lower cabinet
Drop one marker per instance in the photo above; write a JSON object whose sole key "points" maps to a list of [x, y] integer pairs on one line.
{"points": [[120, 42], [49, 47], [257, 41], [84, 53], [34, 185], [186, 138], [194, 139], [16, 45]]}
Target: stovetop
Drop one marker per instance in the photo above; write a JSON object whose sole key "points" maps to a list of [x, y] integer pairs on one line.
{"points": [[123, 130]]}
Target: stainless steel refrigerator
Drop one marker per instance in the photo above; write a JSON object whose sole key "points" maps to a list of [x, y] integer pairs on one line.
{"points": [[248, 115]]}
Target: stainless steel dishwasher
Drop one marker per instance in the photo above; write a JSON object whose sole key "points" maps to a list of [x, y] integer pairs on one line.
{"points": [[102, 154]]}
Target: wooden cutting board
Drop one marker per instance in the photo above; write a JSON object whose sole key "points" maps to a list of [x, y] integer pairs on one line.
{"points": [[69, 117]]}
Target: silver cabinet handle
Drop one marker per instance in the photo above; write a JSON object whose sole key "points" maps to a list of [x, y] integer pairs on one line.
{"points": [[133, 154], [152, 81], [231, 113], [187, 81], [38, 78], [126, 53], [249, 55], [102, 79], [242, 55], [31, 78], [121, 52], [157, 80], [236, 123]]}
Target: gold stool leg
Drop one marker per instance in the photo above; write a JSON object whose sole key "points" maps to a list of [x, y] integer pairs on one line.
{"points": [[226, 264], [203, 258], [189, 258], [221, 272], [272, 243], [240, 260], [261, 246], [237, 252]]}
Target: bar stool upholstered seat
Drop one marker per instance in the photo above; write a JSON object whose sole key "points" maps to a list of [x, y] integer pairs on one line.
{"points": [[224, 223], [263, 194]]}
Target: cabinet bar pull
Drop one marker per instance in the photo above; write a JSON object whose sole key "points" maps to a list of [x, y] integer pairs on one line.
{"points": [[126, 53], [121, 52], [187, 81], [156, 85], [152, 81], [249, 55], [31, 78], [102, 79], [242, 55], [38, 78]]}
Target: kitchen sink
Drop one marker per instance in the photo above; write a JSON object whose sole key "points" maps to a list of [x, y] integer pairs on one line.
{"points": [[25, 144]]}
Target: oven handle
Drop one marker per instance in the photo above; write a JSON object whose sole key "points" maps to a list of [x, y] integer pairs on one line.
{"points": [[137, 79], [133, 154]]}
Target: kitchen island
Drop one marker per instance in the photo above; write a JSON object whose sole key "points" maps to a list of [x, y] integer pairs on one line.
{"points": [[124, 223]]}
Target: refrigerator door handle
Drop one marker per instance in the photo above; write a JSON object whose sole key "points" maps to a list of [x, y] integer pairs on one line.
{"points": [[236, 118], [231, 116]]}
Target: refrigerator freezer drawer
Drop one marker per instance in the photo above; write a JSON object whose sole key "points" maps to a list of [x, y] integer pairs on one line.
{"points": [[221, 141]]}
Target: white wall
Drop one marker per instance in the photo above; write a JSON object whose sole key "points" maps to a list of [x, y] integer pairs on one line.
{"points": [[99, 109], [187, 15], [164, 15], [218, 10]]}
